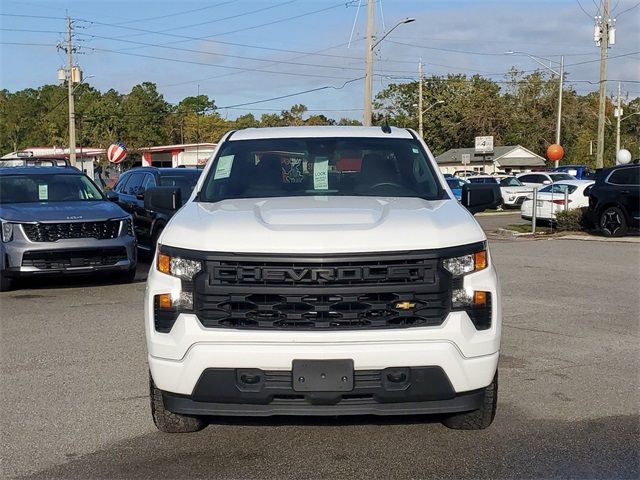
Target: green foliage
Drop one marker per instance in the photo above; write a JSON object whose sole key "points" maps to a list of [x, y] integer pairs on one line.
{"points": [[572, 220], [520, 110]]}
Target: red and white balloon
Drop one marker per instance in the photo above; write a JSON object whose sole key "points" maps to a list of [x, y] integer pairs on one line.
{"points": [[116, 152]]}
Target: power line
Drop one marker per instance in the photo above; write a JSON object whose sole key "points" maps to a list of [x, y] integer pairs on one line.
{"points": [[208, 37], [191, 62], [630, 8], [281, 50], [29, 31], [185, 12], [31, 16], [585, 12], [326, 87], [28, 44]]}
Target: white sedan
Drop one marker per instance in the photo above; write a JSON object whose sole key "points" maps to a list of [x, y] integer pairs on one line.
{"points": [[551, 199]]}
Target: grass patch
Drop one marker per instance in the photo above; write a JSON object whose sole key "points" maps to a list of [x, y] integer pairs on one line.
{"points": [[526, 228]]}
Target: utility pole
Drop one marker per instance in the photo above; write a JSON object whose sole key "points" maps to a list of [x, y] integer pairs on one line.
{"points": [[604, 46], [559, 120], [619, 118], [420, 124], [368, 77], [72, 113]]}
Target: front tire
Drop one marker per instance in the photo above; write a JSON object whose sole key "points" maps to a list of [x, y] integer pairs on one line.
{"points": [[167, 421], [477, 419], [612, 222]]}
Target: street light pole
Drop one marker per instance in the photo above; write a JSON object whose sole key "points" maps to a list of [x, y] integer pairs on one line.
{"points": [[420, 132], [72, 114], [368, 77], [559, 120], [560, 75]]}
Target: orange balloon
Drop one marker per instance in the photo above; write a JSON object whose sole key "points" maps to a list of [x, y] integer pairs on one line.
{"points": [[555, 152]]}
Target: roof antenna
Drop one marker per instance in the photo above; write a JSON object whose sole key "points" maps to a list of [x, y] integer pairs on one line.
{"points": [[385, 127]]}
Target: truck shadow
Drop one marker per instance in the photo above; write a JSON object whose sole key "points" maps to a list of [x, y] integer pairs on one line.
{"points": [[361, 447]]}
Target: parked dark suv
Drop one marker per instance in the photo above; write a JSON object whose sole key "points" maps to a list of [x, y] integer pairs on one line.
{"points": [[55, 220], [130, 191], [614, 200]]}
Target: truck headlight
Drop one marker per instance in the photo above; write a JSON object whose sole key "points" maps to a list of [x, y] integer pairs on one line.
{"points": [[465, 264], [476, 303], [178, 267], [7, 232]]}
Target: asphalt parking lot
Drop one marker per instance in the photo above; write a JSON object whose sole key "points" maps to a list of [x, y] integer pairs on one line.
{"points": [[74, 388]]}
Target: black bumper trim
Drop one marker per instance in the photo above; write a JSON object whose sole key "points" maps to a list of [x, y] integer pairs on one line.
{"points": [[461, 403]]}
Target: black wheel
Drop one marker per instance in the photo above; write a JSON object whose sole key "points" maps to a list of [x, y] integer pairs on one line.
{"points": [[167, 421], [477, 419], [612, 222], [6, 283]]}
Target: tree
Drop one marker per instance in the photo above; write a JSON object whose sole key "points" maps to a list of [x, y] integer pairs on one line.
{"points": [[145, 110]]}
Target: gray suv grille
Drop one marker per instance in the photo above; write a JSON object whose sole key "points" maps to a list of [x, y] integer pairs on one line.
{"points": [[51, 232]]}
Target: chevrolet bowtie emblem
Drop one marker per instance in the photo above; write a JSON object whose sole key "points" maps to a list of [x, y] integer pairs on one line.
{"points": [[405, 305]]}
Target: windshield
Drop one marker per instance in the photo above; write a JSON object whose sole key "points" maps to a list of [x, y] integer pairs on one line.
{"points": [[321, 166], [511, 182], [47, 188], [561, 176], [558, 188]]}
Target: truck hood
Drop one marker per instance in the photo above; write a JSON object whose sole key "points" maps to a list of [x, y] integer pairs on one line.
{"points": [[321, 225], [90, 211]]}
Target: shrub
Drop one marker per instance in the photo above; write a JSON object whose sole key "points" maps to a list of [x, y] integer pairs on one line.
{"points": [[572, 220]]}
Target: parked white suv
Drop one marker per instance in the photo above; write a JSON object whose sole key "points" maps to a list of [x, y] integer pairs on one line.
{"points": [[323, 271]]}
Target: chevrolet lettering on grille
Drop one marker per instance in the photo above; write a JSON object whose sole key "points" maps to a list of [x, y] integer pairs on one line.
{"points": [[248, 274]]}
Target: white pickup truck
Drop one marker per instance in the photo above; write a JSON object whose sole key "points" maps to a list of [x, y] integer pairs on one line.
{"points": [[322, 271]]}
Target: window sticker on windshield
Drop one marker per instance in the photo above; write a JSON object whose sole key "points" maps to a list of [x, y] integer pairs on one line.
{"points": [[223, 168], [43, 192], [415, 150], [321, 173]]}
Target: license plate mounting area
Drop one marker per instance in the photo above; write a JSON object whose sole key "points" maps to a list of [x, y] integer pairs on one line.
{"points": [[322, 375]]}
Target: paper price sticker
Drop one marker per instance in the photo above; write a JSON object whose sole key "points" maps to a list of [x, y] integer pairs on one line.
{"points": [[43, 192], [223, 168], [321, 173]]}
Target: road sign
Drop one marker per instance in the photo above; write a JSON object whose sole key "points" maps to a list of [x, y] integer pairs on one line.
{"points": [[484, 144], [466, 158]]}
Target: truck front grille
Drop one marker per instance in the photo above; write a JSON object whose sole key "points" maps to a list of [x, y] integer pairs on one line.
{"points": [[51, 232], [342, 292]]}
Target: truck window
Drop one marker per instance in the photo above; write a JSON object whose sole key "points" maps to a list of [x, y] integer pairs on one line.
{"points": [[321, 166]]}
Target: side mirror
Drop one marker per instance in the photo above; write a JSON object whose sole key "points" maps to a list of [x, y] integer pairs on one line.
{"points": [[478, 197], [587, 190], [163, 199], [140, 195], [112, 195]]}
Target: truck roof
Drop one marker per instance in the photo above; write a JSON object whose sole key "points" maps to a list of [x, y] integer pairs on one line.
{"points": [[319, 132]]}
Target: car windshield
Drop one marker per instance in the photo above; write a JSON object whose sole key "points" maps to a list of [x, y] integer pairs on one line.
{"points": [[321, 166], [558, 188], [47, 188], [511, 182], [561, 176]]}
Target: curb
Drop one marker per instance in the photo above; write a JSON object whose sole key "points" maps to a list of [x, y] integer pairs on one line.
{"points": [[506, 233], [589, 238], [498, 213]]}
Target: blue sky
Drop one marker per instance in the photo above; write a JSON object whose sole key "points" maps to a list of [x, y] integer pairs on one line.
{"points": [[245, 51]]}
